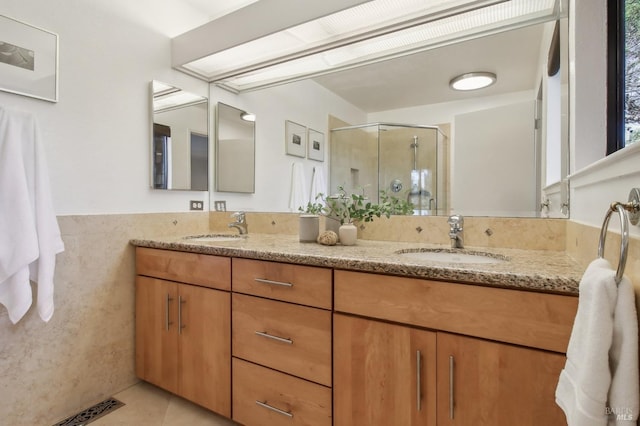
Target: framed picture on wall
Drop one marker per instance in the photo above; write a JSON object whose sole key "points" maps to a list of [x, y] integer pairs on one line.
{"points": [[28, 60], [296, 142], [315, 150]]}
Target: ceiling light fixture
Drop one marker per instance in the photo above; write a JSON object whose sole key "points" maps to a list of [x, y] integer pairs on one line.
{"points": [[247, 116], [473, 81]]}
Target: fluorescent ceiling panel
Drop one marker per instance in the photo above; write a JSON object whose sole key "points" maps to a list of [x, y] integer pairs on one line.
{"points": [[250, 66], [166, 97]]}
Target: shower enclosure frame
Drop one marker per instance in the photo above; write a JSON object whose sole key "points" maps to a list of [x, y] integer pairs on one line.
{"points": [[352, 181]]}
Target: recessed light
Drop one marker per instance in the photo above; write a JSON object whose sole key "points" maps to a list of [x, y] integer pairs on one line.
{"points": [[473, 81], [247, 116]]}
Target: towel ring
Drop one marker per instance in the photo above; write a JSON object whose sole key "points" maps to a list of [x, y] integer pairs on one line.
{"points": [[623, 210]]}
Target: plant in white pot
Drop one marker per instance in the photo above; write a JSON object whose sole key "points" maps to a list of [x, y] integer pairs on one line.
{"points": [[356, 208]]}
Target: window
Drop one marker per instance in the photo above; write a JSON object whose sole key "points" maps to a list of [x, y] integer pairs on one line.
{"points": [[623, 115]]}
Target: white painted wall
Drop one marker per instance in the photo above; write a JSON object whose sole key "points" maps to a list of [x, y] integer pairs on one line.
{"points": [[445, 112], [97, 136], [494, 164], [305, 103], [587, 81]]}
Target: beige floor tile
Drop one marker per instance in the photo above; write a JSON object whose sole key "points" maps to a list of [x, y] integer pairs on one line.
{"points": [[182, 412], [147, 405]]}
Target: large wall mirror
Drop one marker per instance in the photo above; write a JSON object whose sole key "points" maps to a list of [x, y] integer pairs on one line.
{"points": [[235, 149], [505, 150], [180, 141], [500, 151]]}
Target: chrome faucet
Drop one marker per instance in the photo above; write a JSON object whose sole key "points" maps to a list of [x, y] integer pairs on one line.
{"points": [[456, 230], [240, 224]]}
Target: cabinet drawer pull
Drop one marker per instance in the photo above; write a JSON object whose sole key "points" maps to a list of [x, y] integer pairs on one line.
{"points": [[265, 281], [419, 380], [271, 336], [272, 408], [167, 323], [180, 325], [451, 400]]}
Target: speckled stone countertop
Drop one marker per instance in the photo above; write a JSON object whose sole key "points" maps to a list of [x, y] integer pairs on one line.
{"points": [[549, 271]]}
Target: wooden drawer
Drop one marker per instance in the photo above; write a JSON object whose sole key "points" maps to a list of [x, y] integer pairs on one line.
{"points": [[200, 269], [306, 285], [522, 317], [307, 403], [294, 339]]}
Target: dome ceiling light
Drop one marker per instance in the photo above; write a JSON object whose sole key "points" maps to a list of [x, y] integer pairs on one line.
{"points": [[473, 81]]}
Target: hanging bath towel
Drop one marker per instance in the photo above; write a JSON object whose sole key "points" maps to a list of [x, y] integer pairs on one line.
{"points": [[599, 383], [298, 196], [318, 184], [29, 232]]}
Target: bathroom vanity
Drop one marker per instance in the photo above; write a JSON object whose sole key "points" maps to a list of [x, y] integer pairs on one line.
{"points": [[269, 331]]}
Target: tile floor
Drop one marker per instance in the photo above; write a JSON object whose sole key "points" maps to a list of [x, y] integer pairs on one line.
{"points": [[147, 405]]}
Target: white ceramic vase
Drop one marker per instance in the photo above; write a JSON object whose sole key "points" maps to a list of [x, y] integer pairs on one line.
{"points": [[348, 234]]}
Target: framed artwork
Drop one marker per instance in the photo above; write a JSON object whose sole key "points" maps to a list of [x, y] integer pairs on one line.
{"points": [[28, 60], [315, 150], [296, 142]]}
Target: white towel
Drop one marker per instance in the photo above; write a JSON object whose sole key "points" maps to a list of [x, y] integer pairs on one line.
{"points": [[599, 383], [29, 233], [318, 184], [298, 196]]}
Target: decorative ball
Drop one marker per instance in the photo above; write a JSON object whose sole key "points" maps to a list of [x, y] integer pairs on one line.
{"points": [[328, 238]]}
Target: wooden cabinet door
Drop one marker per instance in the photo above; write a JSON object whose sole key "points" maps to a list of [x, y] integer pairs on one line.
{"points": [[378, 380], [495, 384], [156, 332], [205, 347]]}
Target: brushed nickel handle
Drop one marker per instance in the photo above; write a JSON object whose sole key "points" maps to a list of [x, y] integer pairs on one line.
{"points": [[451, 390], [180, 325], [419, 380], [266, 281], [167, 323], [272, 408], [271, 336]]}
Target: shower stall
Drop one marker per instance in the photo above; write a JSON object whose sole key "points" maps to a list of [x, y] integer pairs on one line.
{"points": [[407, 161]]}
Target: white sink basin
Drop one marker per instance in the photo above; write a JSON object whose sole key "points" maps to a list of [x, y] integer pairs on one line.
{"points": [[215, 238], [451, 256]]}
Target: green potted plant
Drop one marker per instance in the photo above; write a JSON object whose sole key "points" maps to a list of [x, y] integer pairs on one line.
{"points": [[348, 209]]}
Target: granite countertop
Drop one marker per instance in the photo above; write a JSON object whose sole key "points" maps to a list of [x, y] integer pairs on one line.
{"points": [[538, 270]]}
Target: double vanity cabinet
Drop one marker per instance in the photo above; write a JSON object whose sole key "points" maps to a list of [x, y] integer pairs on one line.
{"points": [[273, 343]]}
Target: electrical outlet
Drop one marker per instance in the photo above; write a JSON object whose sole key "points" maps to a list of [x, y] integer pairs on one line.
{"points": [[196, 205]]}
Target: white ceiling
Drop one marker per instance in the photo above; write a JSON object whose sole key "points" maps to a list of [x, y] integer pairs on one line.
{"points": [[413, 80], [171, 17], [423, 78]]}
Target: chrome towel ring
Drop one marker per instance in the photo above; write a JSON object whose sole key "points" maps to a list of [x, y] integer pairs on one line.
{"points": [[629, 213]]}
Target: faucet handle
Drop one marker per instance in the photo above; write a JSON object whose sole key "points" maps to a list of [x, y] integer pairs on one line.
{"points": [[456, 221], [239, 216]]}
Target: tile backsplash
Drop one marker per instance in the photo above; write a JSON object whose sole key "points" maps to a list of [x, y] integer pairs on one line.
{"points": [[534, 234]]}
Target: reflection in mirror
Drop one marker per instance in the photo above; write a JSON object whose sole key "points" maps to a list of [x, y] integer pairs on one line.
{"points": [[497, 167], [508, 142], [405, 161], [180, 143], [235, 150]]}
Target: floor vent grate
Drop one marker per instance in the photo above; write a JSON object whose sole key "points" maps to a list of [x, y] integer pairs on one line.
{"points": [[92, 413]]}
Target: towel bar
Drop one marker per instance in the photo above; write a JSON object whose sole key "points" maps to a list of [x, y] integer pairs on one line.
{"points": [[623, 209]]}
